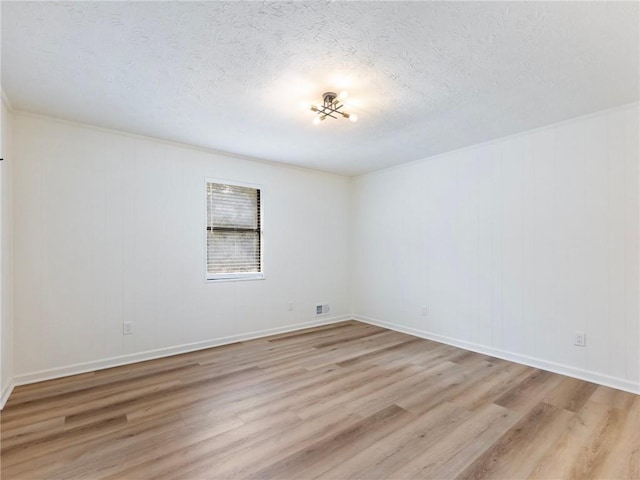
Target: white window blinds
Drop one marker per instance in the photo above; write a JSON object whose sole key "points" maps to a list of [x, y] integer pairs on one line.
{"points": [[233, 231]]}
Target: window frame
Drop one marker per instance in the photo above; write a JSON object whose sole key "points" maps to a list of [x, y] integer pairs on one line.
{"points": [[237, 276]]}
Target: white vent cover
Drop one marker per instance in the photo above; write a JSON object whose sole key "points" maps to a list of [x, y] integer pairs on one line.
{"points": [[322, 309]]}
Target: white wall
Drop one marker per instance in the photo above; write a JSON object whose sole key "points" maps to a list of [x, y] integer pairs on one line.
{"points": [[109, 228], [513, 246], [6, 257]]}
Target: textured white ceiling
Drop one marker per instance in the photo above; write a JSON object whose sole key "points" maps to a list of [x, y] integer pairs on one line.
{"points": [[423, 77]]}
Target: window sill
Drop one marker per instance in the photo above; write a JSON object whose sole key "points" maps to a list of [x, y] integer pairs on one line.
{"points": [[234, 277]]}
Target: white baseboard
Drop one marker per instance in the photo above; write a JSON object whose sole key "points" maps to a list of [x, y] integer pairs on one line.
{"points": [[78, 368], [608, 381], [5, 393], [49, 374]]}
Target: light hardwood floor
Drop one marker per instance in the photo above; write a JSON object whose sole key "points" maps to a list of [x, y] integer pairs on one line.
{"points": [[347, 400]]}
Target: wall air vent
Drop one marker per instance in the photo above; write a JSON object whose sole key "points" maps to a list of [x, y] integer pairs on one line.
{"points": [[322, 309]]}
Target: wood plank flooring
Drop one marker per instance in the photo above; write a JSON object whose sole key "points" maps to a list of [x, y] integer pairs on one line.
{"points": [[347, 400]]}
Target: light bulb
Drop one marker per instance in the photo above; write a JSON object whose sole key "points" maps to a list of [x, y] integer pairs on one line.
{"points": [[353, 118], [316, 121]]}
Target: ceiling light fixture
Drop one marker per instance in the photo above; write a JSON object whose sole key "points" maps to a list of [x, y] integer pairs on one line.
{"points": [[331, 107]]}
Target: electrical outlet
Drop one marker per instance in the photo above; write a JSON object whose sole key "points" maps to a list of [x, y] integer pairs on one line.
{"points": [[580, 339], [423, 310], [290, 306], [127, 328]]}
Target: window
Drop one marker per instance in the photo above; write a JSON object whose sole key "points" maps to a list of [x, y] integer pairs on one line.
{"points": [[234, 234]]}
